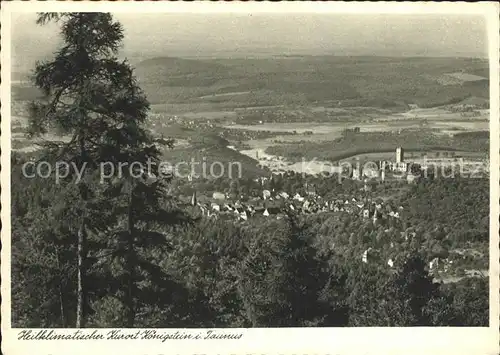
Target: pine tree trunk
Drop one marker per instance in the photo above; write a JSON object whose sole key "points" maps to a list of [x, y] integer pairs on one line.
{"points": [[82, 239], [63, 313], [80, 311], [130, 263], [61, 294]]}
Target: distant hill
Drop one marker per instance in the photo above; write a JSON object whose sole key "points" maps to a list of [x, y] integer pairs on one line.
{"points": [[214, 161], [204, 140], [382, 82], [302, 80], [172, 71]]}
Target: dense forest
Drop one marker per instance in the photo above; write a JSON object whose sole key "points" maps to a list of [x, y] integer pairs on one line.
{"points": [[126, 253], [301, 271]]}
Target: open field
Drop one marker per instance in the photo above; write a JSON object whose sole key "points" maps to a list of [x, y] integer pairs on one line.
{"points": [[370, 142], [414, 155], [318, 128], [428, 120], [209, 115], [466, 77], [291, 127]]}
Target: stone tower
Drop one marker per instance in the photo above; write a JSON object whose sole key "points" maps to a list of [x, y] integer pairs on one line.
{"points": [[399, 155]]}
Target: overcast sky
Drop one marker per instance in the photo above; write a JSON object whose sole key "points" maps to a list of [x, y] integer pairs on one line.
{"points": [[239, 35]]}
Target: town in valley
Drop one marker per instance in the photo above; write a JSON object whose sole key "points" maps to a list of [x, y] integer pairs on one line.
{"points": [[359, 194]]}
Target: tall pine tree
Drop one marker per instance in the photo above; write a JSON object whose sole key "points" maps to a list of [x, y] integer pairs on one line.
{"points": [[93, 99]]}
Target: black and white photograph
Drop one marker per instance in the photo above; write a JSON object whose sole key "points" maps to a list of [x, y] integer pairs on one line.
{"points": [[222, 171]]}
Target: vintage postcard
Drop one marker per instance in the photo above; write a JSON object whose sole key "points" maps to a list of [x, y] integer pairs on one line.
{"points": [[250, 178]]}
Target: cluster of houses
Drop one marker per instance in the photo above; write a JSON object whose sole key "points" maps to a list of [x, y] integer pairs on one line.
{"points": [[262, 115], [371, 254], [435, 266], [373, 211], [276, 204], [159, 120], [276, 207]]}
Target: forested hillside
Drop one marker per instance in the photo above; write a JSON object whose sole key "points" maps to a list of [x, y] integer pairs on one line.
{"points": [[259, 273]]}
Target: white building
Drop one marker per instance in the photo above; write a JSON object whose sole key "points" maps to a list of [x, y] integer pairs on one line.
{"points": [[401, 167], [366, 255], [298, 197], [434, 264], [284, 195], [356, 174], [218, 196]]}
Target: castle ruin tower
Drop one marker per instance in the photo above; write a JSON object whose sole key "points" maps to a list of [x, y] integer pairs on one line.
{"points": [[399, 155]]}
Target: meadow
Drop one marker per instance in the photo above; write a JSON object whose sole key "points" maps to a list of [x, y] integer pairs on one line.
{"points": [[422, 140]]}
